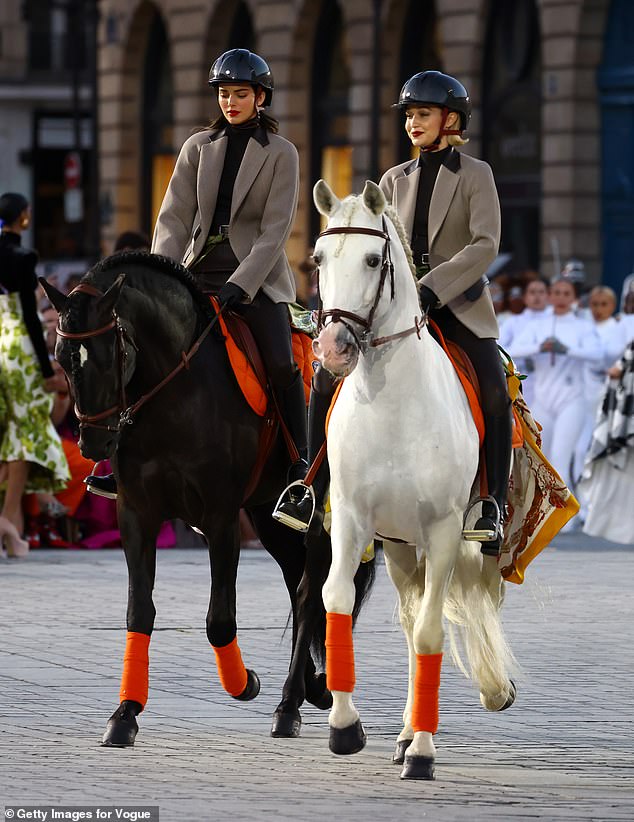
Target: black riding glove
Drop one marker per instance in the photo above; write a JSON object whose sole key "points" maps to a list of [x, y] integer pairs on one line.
{"points": [[427, 298], [230, 294]]}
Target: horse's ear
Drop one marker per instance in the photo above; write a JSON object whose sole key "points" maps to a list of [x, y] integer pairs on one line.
{"points": [[109, 299], [325, 199], [59, 300], [373, 198]]}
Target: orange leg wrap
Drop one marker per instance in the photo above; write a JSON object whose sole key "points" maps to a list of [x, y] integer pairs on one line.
{"points": [[426, 686], [136, 666], [231, 670], [339, 653]]}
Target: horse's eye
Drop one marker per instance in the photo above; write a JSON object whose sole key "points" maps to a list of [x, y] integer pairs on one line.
{"points": [[373, 261], [316, 259]]}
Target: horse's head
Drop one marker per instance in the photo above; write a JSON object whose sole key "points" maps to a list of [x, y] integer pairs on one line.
{"points": [[356, 256], [96, 349]]}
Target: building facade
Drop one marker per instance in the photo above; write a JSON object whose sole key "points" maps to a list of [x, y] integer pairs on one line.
{"points": [[552, 85], [47, 71]]}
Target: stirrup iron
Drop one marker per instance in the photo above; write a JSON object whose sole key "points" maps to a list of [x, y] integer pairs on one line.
{"points": [[287, 496], [483, 535]]}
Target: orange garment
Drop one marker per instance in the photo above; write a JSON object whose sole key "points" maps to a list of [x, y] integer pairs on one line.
{"points": [[303, 354], [426, 687], [339, 653], [79, 468], [136, 668], [231, 670]]}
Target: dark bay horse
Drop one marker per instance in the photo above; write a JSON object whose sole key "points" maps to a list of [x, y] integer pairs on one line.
{"points": [[187, 451]]}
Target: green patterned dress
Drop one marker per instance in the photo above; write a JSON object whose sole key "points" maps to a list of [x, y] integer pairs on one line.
{"points": [[25, 407]]}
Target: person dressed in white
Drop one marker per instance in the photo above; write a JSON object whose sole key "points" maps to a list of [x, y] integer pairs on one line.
{"points": [[559, 344], [536, 307], [602, 305]]}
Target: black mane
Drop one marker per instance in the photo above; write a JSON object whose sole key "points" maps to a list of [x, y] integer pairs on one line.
{"points": [[159, 263]]}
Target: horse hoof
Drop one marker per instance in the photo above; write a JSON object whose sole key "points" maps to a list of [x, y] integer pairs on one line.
{"points": [[348, 740], [511, 696], [252, 688], [286, 725], [399, 754], [418, 767], [317, 693], [499, 702], [122, 728]]}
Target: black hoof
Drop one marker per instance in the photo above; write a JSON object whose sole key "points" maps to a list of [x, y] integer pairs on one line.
{"points": [[122, 727], [317, 693], [399, 754], [511, 698], [286, 725], [418, 767], [252, 688], [348, 740]]}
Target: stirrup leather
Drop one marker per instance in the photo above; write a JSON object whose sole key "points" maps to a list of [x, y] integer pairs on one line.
{"points": [[287, 497], [483, 535]]}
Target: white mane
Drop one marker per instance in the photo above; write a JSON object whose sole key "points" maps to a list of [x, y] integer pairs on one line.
{"points": [[349, 206]]}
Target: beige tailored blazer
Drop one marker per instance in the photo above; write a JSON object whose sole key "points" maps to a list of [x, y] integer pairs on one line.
{"points": [[263, 208], [463, 231]]}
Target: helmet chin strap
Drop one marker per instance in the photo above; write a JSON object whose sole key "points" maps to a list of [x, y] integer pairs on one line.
{"points": [[442, 132]]}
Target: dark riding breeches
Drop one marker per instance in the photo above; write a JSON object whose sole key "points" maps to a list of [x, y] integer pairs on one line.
{"points": [[270, 325], [485, 357], [496, 403]]}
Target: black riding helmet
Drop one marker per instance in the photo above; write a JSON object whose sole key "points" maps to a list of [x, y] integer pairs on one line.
{"points": [[434, 88], [243, 66]]}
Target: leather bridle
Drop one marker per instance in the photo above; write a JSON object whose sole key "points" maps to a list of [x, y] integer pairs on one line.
{"points": [[365, 339], [124, 411]]}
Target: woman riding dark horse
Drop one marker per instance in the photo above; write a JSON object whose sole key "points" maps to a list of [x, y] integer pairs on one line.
{"points": [[227, 214], [155, 393]]}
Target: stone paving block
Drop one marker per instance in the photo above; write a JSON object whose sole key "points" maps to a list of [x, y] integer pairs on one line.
{"points": [[563, 752]]}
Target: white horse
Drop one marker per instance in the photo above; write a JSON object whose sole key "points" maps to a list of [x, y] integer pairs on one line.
{"points": [[403, 453]]}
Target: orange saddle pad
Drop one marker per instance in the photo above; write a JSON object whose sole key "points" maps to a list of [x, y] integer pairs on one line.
{"points": [[253, 386]]}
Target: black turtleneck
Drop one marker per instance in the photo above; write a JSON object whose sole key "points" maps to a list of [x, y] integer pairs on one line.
{"points": [[429, 163], [17, 275], [237, 139]]}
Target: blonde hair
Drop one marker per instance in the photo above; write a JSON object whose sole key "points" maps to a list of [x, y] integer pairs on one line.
{"points": [[457, 140]]}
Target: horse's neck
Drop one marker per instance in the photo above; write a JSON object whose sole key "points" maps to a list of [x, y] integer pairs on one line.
{"points": [[162, 331]]}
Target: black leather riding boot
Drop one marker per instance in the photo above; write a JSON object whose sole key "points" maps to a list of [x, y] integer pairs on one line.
{"points": [[105, 486], [292, 402], [497, 452], [297, 513]]}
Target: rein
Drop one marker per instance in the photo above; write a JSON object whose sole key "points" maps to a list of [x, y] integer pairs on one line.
{"points": [[365, 339], [126, 412]]}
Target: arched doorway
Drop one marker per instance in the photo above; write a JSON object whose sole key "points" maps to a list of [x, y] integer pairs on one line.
{"points": [[616, 86], [511, 123], [330, 107], [157, 156]]}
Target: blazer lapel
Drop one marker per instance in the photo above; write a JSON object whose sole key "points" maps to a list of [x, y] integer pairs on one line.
{"points": [[441, 198], [212, 158], [406, 190], [252, 162]]}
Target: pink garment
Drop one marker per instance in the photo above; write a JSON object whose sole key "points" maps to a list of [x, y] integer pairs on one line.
{"points": [[100, 516]]}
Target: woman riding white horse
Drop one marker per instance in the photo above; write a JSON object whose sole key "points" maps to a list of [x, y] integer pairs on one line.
{"points": [[403, 453], [450, 210]]}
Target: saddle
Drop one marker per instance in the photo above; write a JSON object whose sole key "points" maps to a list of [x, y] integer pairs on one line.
{"points": [[248, 368]]}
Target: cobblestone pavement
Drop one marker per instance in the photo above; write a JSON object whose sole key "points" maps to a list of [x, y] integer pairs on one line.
{"points": [[564, 751]]}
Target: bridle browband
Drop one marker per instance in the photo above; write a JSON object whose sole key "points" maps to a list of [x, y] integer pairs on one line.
{"points": [[126, 412], [364, 340]]}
